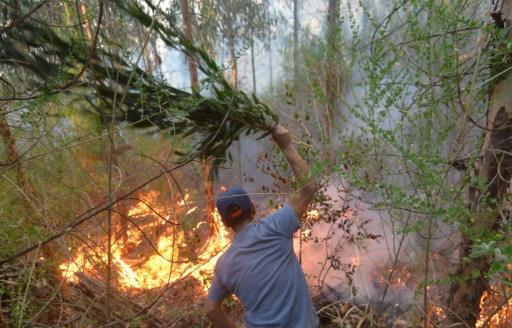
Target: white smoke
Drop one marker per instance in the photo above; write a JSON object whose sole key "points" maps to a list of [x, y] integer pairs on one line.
{"points": [[394, 251]]}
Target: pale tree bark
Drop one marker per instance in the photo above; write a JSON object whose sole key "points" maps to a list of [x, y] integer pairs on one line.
{"points": [[192, 66], [331, 76], [67, 13], [12, 156], [146, 56], [231, 46], [295, 44], [85, 21], [232, 54], [150, 57], [157, 60], [253, 67], [234, 83], [494, 170], [271, 71], [194, 82]]}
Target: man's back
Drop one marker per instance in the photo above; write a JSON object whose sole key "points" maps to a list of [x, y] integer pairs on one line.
{"points": [[261, 269]]}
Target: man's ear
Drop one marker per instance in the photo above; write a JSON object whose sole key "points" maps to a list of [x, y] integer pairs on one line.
{"points": [[253, 209]]}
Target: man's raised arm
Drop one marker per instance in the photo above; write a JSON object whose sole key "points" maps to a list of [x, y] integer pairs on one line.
{"points": [[307, 184]]}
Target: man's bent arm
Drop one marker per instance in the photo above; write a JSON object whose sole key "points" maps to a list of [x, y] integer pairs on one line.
{"points": [[308, 186], [215, 313]]}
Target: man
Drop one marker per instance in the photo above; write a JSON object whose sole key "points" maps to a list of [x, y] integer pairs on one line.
{"points": [[260, 267]]}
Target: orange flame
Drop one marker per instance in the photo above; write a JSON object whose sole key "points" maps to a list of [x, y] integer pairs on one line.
{"points": [[495, 311], [356, 261], [398, 277], [166, 264]]}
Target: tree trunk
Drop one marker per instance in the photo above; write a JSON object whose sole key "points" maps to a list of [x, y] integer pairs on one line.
{"points": [[238, 144], [231, 46], [270, 68], [12, 156], [494, 170], [234, 83], [146, 57], [67, 13], [253, 67], [194, 82], [331, 76], [84, 17], [157, 60], [208, 192], [192, 66], [232, 54], [295, 44]]}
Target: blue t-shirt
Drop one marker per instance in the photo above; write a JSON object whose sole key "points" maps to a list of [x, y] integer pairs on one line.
{"points": [[261, 269]]}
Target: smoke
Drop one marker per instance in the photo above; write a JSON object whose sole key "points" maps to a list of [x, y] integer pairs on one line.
{"points": [[386, 272]]}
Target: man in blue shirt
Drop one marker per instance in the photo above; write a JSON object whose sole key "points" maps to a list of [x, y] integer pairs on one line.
{"points": [[260, 267]]}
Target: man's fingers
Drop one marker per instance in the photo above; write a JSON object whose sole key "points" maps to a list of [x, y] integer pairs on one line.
{"points": [[275, 127], [279, 129]]}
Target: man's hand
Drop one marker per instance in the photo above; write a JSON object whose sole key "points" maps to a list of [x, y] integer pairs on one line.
{"points": [[307, 186], [281, 136], [213, 310]]}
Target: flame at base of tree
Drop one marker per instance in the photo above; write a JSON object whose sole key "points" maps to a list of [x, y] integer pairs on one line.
{"points": [[496, 307], [153, 251], [156, 250]]}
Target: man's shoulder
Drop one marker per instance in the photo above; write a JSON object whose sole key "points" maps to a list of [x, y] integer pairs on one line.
{"points": [[266, 216], [281, 222], [220, 260], [283, 210], [269, 212], [223, 259]]}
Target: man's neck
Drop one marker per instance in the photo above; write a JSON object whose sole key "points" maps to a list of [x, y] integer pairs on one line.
{"points": [[241, 226]]}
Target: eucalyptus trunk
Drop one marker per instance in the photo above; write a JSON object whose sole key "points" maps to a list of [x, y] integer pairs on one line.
{"points": [[194, 82], [253, 67], [234, 84], [494, 171], [331, 76], [12, 156], [234, 68], [192, 66], [270, 69], [86, 21], [146, 56], [295, 43]]}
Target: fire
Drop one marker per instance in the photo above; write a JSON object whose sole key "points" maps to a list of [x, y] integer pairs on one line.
{"points": [[438, 312], [356, 261], [398, 277], [154, 233], [312, 215], [495, 310]]}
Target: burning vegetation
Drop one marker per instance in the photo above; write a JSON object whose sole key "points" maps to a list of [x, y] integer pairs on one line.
{"points": [[406, 102], [151, 249], [496, 307]]}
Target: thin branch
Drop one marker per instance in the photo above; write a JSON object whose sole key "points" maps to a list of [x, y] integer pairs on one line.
{"points": [[92, 212]]}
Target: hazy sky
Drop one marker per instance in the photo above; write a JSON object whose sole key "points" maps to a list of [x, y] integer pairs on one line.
{"points": [[312, 15], [312, 19]]}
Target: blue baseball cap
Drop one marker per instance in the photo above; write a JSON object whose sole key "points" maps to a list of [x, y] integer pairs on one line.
{"points": [[236, 196]]}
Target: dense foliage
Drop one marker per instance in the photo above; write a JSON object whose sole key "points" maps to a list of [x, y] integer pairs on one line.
{"points": [[400, 106]]}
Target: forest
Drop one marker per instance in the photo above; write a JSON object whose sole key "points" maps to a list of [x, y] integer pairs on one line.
{"points": [[122, 121]]}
